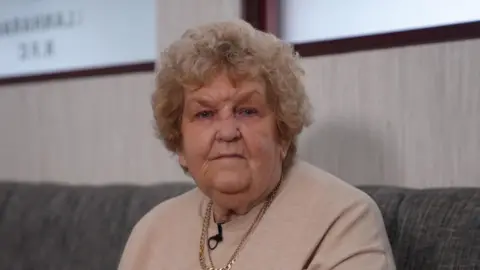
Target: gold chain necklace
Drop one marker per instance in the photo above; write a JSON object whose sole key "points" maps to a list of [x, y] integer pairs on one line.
{"points": [[233, 258]]}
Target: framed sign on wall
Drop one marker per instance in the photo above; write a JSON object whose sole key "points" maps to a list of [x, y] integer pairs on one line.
{"points": [[48, 39], [319, 27]]}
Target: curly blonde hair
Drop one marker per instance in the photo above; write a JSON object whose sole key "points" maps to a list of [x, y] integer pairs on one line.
{"points": [[242, 52]]}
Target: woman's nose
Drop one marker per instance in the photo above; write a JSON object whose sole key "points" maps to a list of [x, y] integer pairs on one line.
{"points": [[227, 130]]}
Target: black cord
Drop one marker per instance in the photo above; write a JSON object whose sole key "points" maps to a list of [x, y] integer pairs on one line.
{"points": [[214, 240]]}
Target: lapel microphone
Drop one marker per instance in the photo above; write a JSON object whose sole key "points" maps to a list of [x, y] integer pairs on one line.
{"points": [[214, 240]]}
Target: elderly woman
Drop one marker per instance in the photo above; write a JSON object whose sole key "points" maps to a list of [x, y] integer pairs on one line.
{"points": [[230, 103]]}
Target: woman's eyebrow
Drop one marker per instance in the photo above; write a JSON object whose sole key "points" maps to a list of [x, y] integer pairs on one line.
{"points": [[246, 95]]}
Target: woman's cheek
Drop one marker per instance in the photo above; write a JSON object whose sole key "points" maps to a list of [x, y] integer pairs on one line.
{"points": [[260, 144], [200, 135]]}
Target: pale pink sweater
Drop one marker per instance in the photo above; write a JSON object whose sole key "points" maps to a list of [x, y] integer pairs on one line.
{"points": [[316, 222]]}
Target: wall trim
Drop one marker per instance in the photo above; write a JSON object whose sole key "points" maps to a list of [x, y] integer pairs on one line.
{"points": [[110, 70], [265, 16]]}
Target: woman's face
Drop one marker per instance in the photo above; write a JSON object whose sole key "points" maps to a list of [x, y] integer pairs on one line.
{"points": [[230, 142]]}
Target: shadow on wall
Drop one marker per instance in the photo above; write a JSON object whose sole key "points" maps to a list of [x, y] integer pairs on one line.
{"points": [[353, 152]]}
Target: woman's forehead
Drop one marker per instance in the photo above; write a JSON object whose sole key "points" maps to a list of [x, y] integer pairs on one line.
{"points": [[222, 85]]}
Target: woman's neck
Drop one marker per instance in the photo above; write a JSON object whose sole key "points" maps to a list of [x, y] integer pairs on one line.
{"points": [[223, 215]]}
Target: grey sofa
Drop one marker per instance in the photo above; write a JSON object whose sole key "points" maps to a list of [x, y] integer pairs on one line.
{"points": [[62, 227]]}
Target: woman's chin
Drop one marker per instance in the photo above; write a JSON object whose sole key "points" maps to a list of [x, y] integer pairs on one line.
{"points": [[231, 185]]}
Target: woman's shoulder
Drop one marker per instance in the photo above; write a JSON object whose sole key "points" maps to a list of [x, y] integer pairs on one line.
{"points": [[169, 209], [344, 218], [170, 217], [325, 188]]}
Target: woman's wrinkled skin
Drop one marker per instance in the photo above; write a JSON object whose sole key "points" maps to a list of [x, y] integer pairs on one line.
{"points": [[230, 144]]}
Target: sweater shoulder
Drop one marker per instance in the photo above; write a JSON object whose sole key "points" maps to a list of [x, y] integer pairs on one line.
{"points": [[326, 188], [169, 209]]}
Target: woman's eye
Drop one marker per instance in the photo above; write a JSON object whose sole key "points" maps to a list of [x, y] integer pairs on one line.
{"points": [[204, 114], [247, 112]]}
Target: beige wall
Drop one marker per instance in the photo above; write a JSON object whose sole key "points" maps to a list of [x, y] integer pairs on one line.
{"points": [[404, 116]]}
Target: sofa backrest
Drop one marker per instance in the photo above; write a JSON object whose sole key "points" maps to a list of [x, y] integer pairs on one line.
{"points": [[51, 226], [432, 228], [59, 227]]}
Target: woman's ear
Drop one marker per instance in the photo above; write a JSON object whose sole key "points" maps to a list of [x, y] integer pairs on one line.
{"points": [[285, 146], [181, 159]]}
